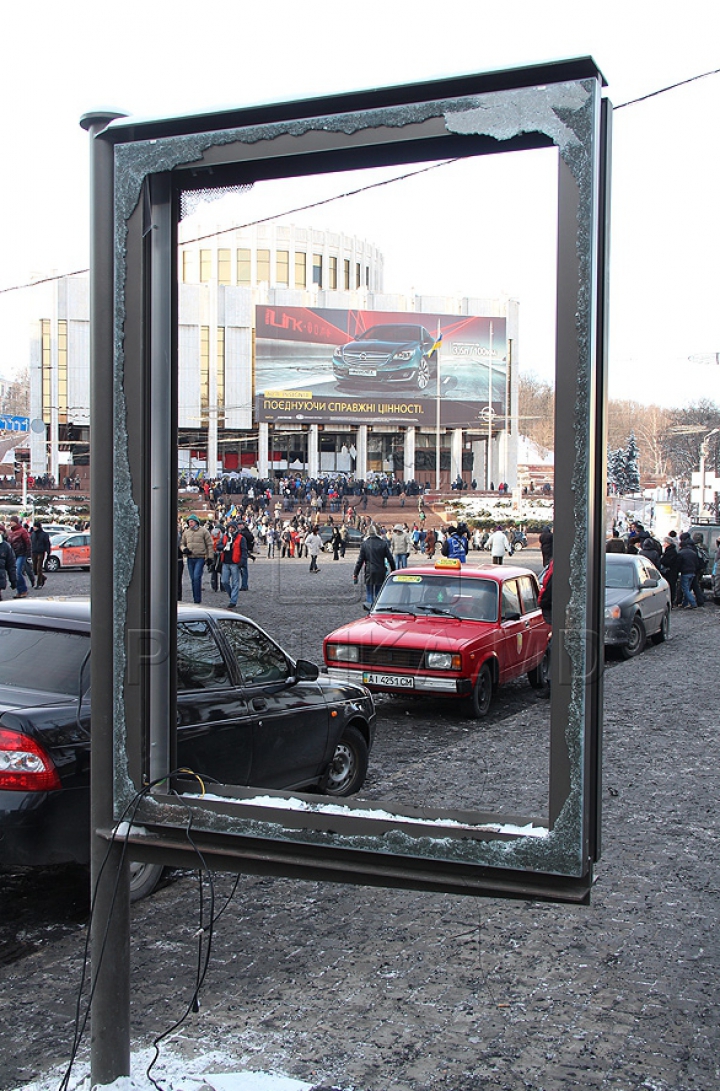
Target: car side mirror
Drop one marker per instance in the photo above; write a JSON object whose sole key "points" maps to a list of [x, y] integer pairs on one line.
{"points": [[512, 616], [649, 583], [305, 671]]}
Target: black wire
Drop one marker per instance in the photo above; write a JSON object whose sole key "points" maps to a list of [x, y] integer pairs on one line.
{"points": [[362, 189], [202, 963], [670, 87]]}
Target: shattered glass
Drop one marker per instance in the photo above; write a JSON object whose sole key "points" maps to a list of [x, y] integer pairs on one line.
{"points": [[566, 114]]}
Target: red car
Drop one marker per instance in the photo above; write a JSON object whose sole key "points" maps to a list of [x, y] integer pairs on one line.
{"points": [[446, 630]]}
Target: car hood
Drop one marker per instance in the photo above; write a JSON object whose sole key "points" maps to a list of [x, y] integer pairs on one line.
{"points": [[616, 596], [406, 632]]}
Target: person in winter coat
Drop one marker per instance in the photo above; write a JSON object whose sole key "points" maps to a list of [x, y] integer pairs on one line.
{"points": [[455, 545], [716, 572], [8, 568], [19, 540], [234, 556], [669, 565], [498, 545], [687, 570], [375, 557], [40, 548], [615, 544], [400, 545], [313, 544], [546, 545], [197, 549]]}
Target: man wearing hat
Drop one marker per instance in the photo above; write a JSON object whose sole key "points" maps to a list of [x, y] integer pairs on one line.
{"points": [[196, 547], [400, 545]]}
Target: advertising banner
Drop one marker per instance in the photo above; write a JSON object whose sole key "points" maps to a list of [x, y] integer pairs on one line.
{"points": [[317, 365]]}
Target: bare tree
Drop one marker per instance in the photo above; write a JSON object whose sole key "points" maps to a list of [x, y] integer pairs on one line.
{"points": [[16, 402]]}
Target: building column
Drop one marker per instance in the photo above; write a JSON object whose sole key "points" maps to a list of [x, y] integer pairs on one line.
{"points": [[409, 455], [456, 450], [263, 464], [362, 448], [313, 454]]}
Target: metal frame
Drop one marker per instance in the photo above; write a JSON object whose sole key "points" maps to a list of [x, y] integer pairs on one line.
{"points": [[134, 517]]}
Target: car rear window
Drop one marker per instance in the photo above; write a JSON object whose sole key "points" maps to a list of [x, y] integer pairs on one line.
{"points": [[43, 659]]}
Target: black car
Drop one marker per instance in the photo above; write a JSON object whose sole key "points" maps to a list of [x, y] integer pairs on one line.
{"points": [[352, 541], [637, 604], [402, 355], [247, 714]]}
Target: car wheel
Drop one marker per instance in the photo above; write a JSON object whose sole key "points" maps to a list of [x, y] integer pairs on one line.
{"points": [[143, 879], [52, 564], [348, 767], [538, 676], [422, 378], [664, 631], [517, 547], [482, 693], [636, 639]]}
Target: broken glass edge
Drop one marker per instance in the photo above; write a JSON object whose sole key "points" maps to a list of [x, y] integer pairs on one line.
{"points": [[567, 113]]}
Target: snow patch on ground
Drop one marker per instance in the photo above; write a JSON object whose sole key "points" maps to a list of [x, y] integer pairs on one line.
{"points": [[210, 1072]]}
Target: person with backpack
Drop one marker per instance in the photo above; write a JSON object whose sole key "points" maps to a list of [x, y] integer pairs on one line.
{"points": [[702, 563], [455, 546]]}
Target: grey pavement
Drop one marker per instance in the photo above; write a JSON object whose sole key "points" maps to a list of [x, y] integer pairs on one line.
{"points": [[378, 990]]}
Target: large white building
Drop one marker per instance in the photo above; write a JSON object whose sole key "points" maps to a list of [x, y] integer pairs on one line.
{"points": [[224, 276]]}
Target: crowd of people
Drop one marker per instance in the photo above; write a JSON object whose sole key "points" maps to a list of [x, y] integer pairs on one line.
{"points": [[681, 558], [24, 548]]}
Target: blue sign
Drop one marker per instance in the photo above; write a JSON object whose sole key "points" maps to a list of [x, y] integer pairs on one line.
{"points": [[14, 424]]}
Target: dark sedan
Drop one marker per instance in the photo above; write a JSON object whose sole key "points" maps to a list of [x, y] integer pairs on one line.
{"points": [[247, 714], [403, 355], [637, 604], [353, 539]]}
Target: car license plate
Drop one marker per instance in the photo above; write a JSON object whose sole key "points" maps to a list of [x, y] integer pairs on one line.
{"points": [[397, 681], [362, 371]]}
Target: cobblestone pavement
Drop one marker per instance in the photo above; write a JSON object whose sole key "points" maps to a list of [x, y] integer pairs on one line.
{"points": [[377, 990]]}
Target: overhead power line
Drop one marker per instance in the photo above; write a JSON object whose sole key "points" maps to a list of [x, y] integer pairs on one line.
{"points": [[354, 192]]}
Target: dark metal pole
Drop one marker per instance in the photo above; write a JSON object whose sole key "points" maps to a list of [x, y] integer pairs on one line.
{"points": [[110, 925]]}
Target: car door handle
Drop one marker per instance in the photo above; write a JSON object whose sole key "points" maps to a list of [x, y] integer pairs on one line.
{"points": [[258, 703]]}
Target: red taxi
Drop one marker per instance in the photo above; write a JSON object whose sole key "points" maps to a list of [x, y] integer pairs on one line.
{"points": [[69, 551], [446, 630]]}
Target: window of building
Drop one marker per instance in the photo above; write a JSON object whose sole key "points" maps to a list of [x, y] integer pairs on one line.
{"points": [[204, 375], [46, 370], [224, 267], [358, 280], [189, 266], [300, 271], [317, 270], [346, 280], [62, 372], [263, 267], [206, 269], [46, 363], [282, 267], [332, 273], [244, 271], [221, 377], [367, 276]]}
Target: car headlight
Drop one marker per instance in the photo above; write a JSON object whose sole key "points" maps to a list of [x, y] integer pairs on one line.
{"points": [[443, 661], [338, 354], [404, 354], [343, 653], [613, 612]]}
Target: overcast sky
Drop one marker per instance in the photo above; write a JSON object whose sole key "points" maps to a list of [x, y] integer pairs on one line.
{"points": [[159, 58]]}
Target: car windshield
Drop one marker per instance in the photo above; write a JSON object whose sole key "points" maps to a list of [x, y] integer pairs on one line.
{"points": [[620, 576], [412, 593], [400, 334], [43, 659]]}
